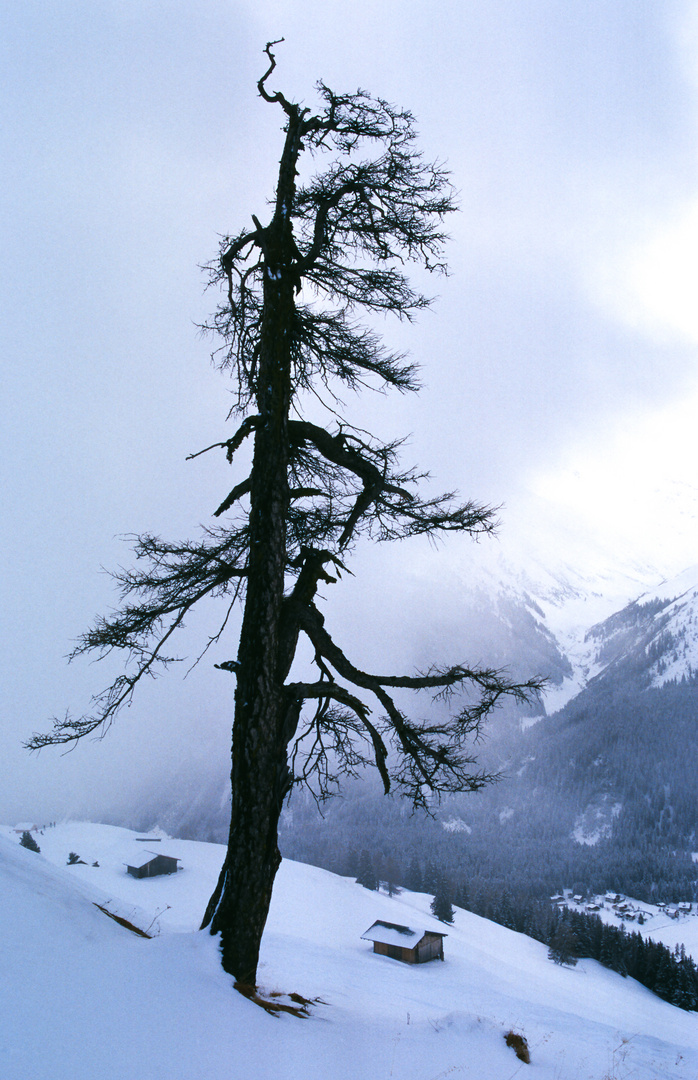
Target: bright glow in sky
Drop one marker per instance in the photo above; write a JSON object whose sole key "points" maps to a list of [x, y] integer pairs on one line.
{"points": [[662, 279], [640, 489]]}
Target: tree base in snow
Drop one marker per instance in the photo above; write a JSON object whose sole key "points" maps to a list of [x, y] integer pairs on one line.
{"points": [[273, 1003]]}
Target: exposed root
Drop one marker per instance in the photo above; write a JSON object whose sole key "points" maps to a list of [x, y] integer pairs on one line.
{"points": [[123, 922], [271, 1003]]}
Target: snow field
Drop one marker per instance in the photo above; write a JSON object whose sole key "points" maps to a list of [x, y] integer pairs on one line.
{"points": [[84, 999]]}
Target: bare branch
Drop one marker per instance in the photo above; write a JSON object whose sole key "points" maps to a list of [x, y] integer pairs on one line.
{"points": [[243, 488], [277, 97]]}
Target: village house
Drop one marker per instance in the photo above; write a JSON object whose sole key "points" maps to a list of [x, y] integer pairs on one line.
{"points": [[405, 944]]}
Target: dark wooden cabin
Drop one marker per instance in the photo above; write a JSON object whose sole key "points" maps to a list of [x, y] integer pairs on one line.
{"points": [[152, 864], [405, 944]]}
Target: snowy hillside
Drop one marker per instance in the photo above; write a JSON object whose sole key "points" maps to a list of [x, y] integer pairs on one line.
{"points": [[653, 640], [528, 600], [598, 628], [88, 1000]]}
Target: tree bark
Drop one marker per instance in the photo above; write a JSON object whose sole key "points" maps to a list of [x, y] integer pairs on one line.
{"points": [[260, 773]]}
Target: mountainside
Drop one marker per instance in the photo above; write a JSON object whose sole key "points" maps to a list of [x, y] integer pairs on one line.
{"points": [[631, 629], [598, 787], [90, 999], [652, 641], [510, 610], [599, 794]]}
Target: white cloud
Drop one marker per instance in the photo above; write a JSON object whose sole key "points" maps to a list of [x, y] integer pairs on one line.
{"points": [[639, 489], [654, 286]]}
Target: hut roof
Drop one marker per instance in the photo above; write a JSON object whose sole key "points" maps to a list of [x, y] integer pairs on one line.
{"points": [[143, 857], [395, 934]]}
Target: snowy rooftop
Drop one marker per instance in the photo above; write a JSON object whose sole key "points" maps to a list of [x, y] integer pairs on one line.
{"points": [[394, 934], [141, 857]]}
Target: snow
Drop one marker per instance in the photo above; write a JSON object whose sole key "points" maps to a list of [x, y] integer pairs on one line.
{"points": [[658, 924], [675, 635], [456, 825], [596, 823], [674, 587], [86, 999], [393, 934]]}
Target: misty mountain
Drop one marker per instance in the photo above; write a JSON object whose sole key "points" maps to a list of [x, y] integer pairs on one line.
{"points": [[598, 779], [597, 794], [653, 641]]}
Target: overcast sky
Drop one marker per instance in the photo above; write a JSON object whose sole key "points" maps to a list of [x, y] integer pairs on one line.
{"points": [[560, 360]]}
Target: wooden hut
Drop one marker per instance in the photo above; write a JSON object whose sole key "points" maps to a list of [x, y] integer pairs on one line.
{"points": [[405, 944], [152, 864]]}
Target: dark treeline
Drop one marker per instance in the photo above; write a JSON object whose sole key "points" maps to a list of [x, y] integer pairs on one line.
{"points": [[573, 935], [599, 797], [530, 855]]}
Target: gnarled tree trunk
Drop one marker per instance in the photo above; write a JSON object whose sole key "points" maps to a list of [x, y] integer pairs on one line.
{"points": [[260, 773]]}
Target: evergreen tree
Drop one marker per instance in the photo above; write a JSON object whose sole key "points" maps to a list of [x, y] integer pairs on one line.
{"points": [[351, 864], [461, 896], [415, 878], [333, 247], [392, 877], [607, 950], [28, 841], [378, 861], [506, 911], [666, 983], [442, 904], [367, 875], [431, 877], [563, 945]]}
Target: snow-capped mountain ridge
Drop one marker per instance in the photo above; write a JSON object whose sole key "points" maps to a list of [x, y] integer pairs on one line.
{"points": [[581, 626], [654, 639]]}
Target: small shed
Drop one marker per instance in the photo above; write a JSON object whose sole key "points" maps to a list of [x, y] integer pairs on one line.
{"points": [[404, 943], [152, 864]]}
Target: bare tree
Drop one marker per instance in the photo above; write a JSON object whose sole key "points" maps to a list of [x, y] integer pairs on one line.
{"points": [[331, 247]]}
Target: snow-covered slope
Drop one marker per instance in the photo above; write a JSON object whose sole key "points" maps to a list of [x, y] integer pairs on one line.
{"points": [[85, 999], [653, 640], [632, 627], [527, 599]]}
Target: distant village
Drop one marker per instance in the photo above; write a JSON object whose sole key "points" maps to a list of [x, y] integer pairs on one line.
{"points": [[624, 909]]}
